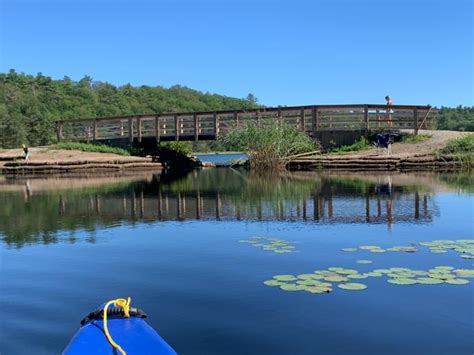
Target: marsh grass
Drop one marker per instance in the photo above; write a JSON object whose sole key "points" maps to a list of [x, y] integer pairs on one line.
{"points": [[269, 143]]}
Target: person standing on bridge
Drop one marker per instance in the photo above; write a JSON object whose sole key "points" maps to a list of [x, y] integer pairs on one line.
{"points": [[389, 111]]}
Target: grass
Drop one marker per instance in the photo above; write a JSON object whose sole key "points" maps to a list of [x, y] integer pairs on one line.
{"points": [[462, 149], [93, 148], [462, 145], [360, 144]]}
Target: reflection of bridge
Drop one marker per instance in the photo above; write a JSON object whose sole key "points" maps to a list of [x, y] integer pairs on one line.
{"points": [[328, 208], [314, 120]]}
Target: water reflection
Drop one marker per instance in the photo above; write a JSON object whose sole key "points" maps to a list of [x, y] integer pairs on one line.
{"points": [[34, 210]]}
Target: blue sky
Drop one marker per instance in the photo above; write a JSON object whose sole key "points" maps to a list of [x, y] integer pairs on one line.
{"points": [[284, 52]]}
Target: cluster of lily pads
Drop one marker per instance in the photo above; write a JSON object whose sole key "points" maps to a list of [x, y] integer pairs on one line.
{"points": [[321, 281], [276, 245], [463, 246]]}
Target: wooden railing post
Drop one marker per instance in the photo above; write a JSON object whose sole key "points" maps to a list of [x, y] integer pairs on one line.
{"points": [[130, 130], [302, 122], [236, 118], [139, 125], [176, 126], [366, 118], [415, 121], [94, 130], [157, 129], [196, 127], [315, 120], [216, 125]]}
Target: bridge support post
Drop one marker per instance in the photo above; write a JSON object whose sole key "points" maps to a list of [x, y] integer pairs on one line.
{"points": [[94, 131], [302, 122], [216, 125], [366, 119], [196, 127], [130, 130], [415, 121], [139, 125], [315, 120], [157, 129], [236, 118], [176, 127]]}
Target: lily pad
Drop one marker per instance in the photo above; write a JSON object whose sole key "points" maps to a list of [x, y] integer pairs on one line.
{"points": [[374, 274], [335, 278], [457, 281], [284, 277], [358, 276], [364, 261], [347, 272], [464, 272], [292, 287], [273, 283], [349, 249], [402, 281], [369, 247], [352, 286], [377, 250], [307, 276], [429, 281]]}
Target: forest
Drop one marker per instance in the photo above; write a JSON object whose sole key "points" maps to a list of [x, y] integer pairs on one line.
{"points": [[29, 105]]}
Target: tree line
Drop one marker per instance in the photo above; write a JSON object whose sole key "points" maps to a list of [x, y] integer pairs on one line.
{"points": [[29, 104]]}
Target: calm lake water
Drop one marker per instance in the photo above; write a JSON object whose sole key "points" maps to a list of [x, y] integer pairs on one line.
{"points": [[172, 244]]}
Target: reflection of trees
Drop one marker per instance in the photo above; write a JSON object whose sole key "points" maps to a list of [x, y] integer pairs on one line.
{"points": [[223, 194]]}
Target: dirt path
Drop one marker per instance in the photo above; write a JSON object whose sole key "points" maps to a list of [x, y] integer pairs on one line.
{"points": [[437, 140], [59, 155]]}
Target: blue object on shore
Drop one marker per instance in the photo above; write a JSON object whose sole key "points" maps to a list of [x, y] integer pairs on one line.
{"points": [[133, 334]]}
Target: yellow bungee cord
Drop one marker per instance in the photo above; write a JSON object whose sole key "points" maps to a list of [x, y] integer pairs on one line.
{"points": [[125, 305]]}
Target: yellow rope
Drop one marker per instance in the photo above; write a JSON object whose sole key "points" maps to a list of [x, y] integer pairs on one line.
{"points": [[125, 305]]}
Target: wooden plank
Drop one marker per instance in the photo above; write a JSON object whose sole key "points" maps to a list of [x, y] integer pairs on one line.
{"points": [[366, 118], [139, 128], [94, 131], [157, 129], [130, 130], [216, 124], [415, 121], [176, 127], [196, 127], [302, 122]]}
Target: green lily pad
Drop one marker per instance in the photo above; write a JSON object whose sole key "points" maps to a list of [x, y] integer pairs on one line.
{"points": [[358, 276], [464, 272], [347, 272], [364, 261], [402, 281], [467, 256], [399, 269], [352, 286], [273, 283], [284, 277], [457, 281], [441, 276], [306, 276], [382, 271], [318, 289], [443, 268], [335, 269], [369, 247], [335, 278], [309, 282], [377, 250], [349, 249], [429, 281], [292, 287]]}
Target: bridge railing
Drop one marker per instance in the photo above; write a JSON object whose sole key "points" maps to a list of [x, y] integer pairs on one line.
{"points": [[210, 125]]}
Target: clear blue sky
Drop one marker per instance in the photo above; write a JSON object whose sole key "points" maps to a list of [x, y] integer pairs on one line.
{"points": [[285, 52]]}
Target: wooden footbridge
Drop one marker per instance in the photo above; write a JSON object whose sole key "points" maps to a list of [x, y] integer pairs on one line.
{"points": [[313, 119]]}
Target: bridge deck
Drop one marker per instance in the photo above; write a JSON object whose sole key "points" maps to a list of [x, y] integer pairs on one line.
{"points": [[210, 125]]}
